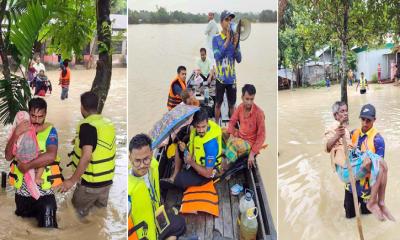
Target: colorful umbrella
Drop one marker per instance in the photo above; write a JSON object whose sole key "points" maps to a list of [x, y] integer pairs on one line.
{"points": [[171, 122]]}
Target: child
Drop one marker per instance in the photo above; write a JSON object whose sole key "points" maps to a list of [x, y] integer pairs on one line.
{"points": [[27, 149], [64, 81]]}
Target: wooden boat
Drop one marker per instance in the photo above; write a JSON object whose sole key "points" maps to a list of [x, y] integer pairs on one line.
{"points": [[205, 226]]}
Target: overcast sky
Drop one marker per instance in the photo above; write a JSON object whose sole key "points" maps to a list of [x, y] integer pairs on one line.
{"points": [[204, 6]]}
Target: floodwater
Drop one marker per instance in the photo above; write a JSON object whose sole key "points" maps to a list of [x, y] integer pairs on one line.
{"points": [[310, 193], [107, 223], [155, 52]]}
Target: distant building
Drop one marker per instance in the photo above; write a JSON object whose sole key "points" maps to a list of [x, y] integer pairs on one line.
{"points": [[368, 60], [317, 70]]}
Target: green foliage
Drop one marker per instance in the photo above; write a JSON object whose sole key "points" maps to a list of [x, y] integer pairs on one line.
{"points": [[24, 32], [267, 16], [71, 30], [14, 94], [118, 7], [163, 16]]}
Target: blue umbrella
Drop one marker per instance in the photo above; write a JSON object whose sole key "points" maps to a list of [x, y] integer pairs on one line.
{"points": [[170, 122]]}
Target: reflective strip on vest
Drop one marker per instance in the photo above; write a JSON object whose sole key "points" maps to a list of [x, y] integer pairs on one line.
{"points": [[363, 83], [102, 165], [196, 143], [201, 199], [141, 204]]}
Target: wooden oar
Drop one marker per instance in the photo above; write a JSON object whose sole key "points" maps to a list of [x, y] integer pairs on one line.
{"points": [[353, 187]]}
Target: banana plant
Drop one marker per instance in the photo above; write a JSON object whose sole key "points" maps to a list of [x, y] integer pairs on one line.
{"points": [[22, 21]]}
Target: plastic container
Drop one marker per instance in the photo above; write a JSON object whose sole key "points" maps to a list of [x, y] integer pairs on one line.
{"points": [[248, 224], [246, 201]]}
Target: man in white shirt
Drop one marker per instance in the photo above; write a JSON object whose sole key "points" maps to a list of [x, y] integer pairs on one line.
{"points": [[205, 66], [211, 30], [38, 66]]}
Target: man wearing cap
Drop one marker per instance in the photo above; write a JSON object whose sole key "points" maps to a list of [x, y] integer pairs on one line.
{"points": [[226, 50], [372, 199]]}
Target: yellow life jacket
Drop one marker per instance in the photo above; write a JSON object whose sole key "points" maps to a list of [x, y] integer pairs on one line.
{"points": [[142, 205], [196, 143], [102, 165], [51, 176], [363, 83]]}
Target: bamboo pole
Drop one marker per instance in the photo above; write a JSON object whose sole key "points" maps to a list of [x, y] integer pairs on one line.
{"points": [[353, 188]]}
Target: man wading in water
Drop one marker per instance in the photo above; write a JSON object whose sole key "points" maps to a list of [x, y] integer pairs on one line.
{"points": [[371, 170]]}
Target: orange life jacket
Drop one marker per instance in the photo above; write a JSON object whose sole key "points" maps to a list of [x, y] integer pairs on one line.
{"points": [[173, 99], [65, 80], [201, 199], [368, 143]]}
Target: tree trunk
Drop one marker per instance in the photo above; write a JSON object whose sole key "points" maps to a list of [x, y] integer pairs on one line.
{"points": [[3, 50], [102, 80], [344, 53]]}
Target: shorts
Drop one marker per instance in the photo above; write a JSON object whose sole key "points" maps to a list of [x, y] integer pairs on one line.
{"points": [[230, 93], [177, 227], [85, 198], [349, 205], [188, 178], [44, 209], [363, 91]]}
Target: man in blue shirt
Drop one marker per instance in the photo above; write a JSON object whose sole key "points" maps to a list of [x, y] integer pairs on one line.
{"points": [[371, 198], [226, 50], [203, 154]]}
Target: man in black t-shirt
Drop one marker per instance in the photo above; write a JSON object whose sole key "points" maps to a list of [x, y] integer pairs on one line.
{"points": [[93, 158]]}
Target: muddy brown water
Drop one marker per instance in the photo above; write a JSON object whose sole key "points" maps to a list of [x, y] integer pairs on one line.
{"points": [[109, 223], [310, 194], [155, 52]]}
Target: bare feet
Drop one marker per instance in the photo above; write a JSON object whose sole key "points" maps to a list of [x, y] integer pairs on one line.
{"points": [[374, 209], [386, 212]]}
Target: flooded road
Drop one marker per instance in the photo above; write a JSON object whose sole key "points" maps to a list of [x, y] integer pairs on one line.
{"points": [[155, 52], [107, 223], [310, 193]]}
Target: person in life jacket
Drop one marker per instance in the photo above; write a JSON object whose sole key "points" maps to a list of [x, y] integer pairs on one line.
{"points": [[203, 154], [363, 83], [368, 138], [177, 85], [144, 196], [93, 158], [65, 78], [44, 209]]}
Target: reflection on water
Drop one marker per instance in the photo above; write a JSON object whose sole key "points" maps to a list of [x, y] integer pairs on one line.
{"points": [[310, 194], [155, 52], [107, 223]]}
